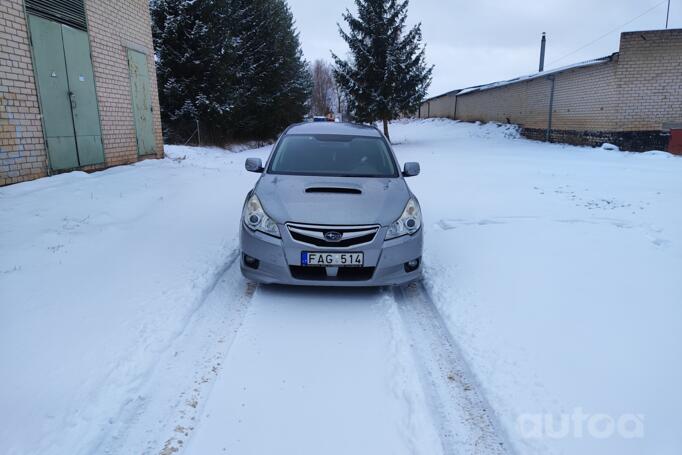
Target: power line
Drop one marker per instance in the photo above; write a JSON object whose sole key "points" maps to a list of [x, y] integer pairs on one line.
{"points": [[610, 32], [667, 16]]}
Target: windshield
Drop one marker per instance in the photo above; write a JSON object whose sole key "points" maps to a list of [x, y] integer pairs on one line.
{"points": [[333, 155]]}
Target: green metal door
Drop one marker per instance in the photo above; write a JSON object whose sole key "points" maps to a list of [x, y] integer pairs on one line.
{"points": [[50, 70], [82, 96], [142, 102], [68, 101]]}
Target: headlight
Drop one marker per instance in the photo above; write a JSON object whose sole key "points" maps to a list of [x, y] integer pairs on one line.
{"points": [[408, 223], [256, 219]]}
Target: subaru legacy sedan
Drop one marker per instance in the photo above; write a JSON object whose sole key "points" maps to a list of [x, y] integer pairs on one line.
{"points": [[331, 208]]}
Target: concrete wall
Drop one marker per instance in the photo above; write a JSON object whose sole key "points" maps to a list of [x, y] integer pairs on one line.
{"points": [[629, 99], [113, 27]]}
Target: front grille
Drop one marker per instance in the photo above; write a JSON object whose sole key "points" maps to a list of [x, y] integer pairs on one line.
{"points": [[320, 273], [349, 235]]}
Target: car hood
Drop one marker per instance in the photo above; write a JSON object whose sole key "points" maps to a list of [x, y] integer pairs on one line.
{"points": [[332, 200]]}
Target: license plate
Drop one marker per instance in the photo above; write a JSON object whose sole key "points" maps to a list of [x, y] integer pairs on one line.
{"points": [[332, 259]]}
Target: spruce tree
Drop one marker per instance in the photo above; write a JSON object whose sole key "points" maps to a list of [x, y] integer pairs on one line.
{"points": [[274, 80], [194, 61], [386, 74], [235, 66]]}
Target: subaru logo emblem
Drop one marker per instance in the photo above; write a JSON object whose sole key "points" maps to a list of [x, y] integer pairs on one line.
{"points": [[333, 236]]}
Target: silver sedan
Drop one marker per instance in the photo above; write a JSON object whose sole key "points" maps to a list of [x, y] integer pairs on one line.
{"points": [[331, 208]]}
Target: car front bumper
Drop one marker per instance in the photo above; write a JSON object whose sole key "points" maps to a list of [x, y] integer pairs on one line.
{"points": [[279, 260]]}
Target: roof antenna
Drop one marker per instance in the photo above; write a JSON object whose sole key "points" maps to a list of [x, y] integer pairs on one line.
{"points": [[543, 42]]}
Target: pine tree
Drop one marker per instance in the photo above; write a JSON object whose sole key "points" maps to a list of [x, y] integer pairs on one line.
{"points": [[386, 74], [235, 67]]}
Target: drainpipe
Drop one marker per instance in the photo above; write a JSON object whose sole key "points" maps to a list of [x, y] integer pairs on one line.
{"points": [[551, 107], [454, 116]]}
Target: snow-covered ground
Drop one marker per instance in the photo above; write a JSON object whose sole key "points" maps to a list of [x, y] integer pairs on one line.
{"points": [[125, 326], [558, 271]]}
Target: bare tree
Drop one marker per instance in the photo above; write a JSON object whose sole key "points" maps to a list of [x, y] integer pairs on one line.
{"points": [[324, 97], [341, 103]]}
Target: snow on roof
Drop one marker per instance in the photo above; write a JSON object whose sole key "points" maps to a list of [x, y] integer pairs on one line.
{"points": [[528, 77], [451, 92]]}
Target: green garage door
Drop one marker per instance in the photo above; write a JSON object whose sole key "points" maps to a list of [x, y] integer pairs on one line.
{"points": [[68, 101], [142, 102]]}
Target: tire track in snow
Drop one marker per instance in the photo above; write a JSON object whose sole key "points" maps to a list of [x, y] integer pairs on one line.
{"points": [[419, 427], [194, 399], [319, 371], [163, 414], [465, 420]]}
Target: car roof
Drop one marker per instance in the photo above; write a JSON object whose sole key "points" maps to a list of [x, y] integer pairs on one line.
{"points": [[344, 129]]}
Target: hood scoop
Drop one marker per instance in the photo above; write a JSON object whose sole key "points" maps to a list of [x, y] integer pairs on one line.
{"points": [[332, 190]]}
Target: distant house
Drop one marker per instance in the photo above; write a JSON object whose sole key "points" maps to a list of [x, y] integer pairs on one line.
{"points": [[77, 86]]}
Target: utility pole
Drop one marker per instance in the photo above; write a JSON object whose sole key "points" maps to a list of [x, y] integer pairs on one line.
{"points": [[667, 16], [543, 42]]}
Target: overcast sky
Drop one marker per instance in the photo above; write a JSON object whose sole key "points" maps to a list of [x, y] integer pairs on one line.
{"points": [[478, 41]]}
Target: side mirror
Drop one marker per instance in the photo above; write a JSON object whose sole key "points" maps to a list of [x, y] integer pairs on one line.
{"points": [[254, 165], [411, 169]]}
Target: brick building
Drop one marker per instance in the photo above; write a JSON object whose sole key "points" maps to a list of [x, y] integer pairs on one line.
{"points": [[77, 86], [632, 98]]}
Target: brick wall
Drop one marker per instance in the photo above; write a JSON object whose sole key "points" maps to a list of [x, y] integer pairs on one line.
{"points": [[628, 99], [22, 151], [115, 26], [520, 103], [584, 98], [442, 106], [650, 79]]}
